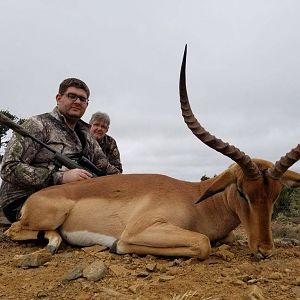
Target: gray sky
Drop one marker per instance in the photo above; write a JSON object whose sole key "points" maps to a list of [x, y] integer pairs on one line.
{"points": [[243, 70]]}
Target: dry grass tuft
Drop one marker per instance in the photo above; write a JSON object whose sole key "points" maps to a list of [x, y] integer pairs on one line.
{"points": [[187, 295], [286, 230], [190, 294]]}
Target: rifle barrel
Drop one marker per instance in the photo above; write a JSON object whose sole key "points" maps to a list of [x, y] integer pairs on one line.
{"points": [[66, 161]]}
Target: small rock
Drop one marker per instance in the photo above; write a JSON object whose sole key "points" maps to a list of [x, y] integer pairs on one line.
{"points": [[95, 271], [31, 260], [41, 294], [252, 281], [175, 262], [74, 273], [151, 267], [165, 278], [178, 261], [254, 293], [142, 274]]}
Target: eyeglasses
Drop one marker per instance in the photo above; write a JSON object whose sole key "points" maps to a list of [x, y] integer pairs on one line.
{"points": [[74, 97]]}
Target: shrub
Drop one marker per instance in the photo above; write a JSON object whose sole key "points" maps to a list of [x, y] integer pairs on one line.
{"points": [[288, 203]]}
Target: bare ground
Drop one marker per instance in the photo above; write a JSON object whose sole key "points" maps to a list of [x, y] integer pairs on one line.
{"points": [[229, 273]]}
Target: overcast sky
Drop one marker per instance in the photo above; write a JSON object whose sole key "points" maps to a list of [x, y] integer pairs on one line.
{"points": [[243, 70]]}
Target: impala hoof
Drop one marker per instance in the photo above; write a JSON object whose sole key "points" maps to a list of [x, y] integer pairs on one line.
{"points": [[51, 249], [113, 248]]}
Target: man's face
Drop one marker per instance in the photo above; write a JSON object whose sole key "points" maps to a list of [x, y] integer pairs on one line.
{"points": [[72, 103], [98, 129]]}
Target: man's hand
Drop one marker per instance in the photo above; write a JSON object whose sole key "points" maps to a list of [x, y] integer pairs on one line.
{"points": [[75, 175]]}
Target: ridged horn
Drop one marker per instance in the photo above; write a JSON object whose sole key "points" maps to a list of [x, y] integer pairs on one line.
{"points": [[249, 168], [284, 163]]}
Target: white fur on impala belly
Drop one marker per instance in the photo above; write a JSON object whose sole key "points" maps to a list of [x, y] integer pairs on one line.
{"points": [[86, 238]]}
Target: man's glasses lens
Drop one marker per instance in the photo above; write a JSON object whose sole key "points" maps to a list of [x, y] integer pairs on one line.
{"points": [[74, 97]]}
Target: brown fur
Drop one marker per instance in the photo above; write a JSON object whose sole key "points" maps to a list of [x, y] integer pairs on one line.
{"points": [[156, 214]]}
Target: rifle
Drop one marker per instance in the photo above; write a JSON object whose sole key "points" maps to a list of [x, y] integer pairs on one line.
{"points": [[83, 162]]}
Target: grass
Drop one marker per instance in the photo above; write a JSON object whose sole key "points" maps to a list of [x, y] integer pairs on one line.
{"points": [[285, 229]]}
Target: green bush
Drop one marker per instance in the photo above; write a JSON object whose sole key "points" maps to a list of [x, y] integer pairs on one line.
{"points": [[288, 203]]}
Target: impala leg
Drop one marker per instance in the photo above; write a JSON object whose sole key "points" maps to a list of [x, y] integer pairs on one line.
{"points": [[17, 233], [164, 239], [54, 240]]}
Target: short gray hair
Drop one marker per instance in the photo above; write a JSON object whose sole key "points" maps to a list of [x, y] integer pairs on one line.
{"points": [[100, 116]]}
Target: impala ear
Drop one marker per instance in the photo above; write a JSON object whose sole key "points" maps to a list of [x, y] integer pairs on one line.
{"points": [[219, 184], [291, 179]]}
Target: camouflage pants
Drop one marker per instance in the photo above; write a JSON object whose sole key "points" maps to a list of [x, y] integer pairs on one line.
{"points": [[12, 210]]}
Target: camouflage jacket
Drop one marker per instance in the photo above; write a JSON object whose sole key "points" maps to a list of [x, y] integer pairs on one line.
{"points": [[110, 149], [28, 167]]}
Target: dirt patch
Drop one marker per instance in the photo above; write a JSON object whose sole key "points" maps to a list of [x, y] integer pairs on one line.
{"points": [[229, 273]]}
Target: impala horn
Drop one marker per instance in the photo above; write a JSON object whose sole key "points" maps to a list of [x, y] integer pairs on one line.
{"points": [[284, 163], [249, 168]]}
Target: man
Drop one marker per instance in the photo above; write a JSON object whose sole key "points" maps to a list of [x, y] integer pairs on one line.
{"points": [[28, 167], [99, 126]]}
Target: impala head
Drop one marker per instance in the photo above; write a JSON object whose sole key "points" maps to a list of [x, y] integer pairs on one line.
{"points": [[252, 185]]}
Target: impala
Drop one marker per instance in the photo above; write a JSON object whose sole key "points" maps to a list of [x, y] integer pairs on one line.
{"points": [[159, 215]]}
